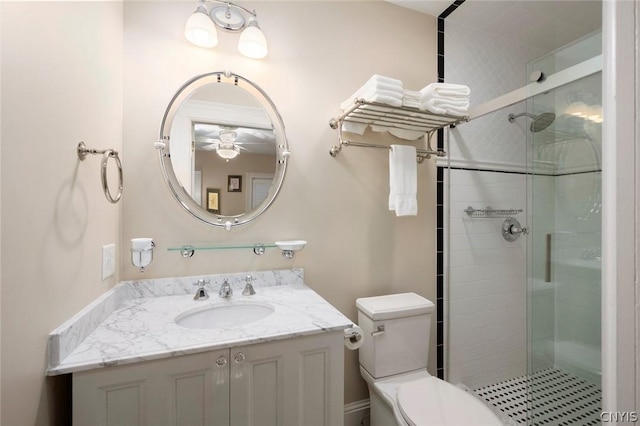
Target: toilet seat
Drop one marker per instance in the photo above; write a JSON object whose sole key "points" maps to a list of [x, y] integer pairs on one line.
{"points": [[431, 401]]}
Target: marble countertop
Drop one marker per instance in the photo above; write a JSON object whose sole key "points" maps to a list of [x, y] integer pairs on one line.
{"points": [[140, 324]]}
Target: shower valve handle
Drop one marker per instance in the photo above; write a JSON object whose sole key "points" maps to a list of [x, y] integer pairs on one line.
{"points": [[515, 230], [511, 229]]}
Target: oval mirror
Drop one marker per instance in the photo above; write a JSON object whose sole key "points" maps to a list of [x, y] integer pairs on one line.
{"points": [[222, 149]]}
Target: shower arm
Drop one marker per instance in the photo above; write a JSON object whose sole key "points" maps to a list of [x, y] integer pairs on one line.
{"points": [[522, 114]]}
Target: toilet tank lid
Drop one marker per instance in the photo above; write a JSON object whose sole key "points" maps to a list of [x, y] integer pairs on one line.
{"points": [[394, 306]]}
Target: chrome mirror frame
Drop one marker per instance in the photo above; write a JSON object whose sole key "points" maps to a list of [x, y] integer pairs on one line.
{"points": [[163, 146]]}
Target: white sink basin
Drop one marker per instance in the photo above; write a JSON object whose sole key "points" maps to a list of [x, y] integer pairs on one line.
{"points": [[224, 315]]}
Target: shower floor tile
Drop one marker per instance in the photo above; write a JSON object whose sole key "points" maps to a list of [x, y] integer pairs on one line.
{"points": [[548, 397]]}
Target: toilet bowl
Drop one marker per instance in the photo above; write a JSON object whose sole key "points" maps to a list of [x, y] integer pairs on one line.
{"points": [[393, 362]]}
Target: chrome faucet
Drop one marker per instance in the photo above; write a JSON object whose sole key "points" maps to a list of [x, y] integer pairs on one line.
{"points": [[248, 288], [225, 290], [201, 292]]}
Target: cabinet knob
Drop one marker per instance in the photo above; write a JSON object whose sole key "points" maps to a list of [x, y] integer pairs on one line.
{"points": [[221, 361], [239, 357]]}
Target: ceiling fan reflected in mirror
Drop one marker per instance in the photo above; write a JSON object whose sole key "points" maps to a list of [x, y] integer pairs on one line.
{"points": [[228, 141]]}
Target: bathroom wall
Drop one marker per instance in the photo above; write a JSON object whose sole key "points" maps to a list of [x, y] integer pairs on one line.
{"points": [[320, 53], [61, 83], [486, 325]]}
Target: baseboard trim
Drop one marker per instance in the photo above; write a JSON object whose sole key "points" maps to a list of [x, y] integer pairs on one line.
{"points": [[357, 413]]}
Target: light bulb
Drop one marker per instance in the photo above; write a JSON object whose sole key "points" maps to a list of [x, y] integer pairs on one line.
{"points": [[200, 30], [253, 43]]}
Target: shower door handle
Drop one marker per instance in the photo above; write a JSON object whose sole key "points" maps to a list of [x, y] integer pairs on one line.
{"points": [[547, 260]]}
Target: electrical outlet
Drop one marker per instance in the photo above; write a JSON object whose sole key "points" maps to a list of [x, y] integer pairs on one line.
{"points": [[108, 261]]}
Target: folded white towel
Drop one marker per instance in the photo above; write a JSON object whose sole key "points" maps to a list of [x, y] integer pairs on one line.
{"points": [[446, 102], [379, 85], [446, 90], [380, 92], [410, 135], [411, 103], [353, 127], [443, 106], [377, 89], [411, 99], [378, 128], [383, 79], [382, 96], [411, 94], [403, 180]]}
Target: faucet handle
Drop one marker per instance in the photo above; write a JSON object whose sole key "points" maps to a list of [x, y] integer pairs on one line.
{"points": [[201, 282], [248, 288], [201, 293]]}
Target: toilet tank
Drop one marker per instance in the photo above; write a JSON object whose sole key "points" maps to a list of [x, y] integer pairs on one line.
{"points": [[396, 333]]}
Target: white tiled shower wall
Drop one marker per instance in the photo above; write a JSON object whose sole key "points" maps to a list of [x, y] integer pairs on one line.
{"points": [[487, 290], [486, 295]]}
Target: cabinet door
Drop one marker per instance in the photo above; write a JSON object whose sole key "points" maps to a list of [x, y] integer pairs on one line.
{"points": [[191, 390], [289, 382]]}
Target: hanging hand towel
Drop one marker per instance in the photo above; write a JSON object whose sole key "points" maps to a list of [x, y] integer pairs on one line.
{"points": [[403, 180]]}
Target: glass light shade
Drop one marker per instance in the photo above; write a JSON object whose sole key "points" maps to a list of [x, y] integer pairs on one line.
{"points": [[228, 151], [200, 30], [253, 43]]}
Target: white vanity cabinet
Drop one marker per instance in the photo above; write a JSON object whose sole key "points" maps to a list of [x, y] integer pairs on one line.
{"points": [[291, 382]]}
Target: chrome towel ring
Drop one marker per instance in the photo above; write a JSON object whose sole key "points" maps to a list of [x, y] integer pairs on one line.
{"points": [[106, 154]]}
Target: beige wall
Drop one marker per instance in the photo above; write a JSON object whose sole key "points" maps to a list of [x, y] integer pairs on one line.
{"points": [[65, 79], [61, 83], [320, 53]]}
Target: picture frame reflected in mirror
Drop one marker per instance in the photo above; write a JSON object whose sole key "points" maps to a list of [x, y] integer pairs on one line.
{"points": [[213, 200], [234, 183]]}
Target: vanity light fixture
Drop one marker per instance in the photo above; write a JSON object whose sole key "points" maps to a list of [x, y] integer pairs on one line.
{"points": [[201, 27]]}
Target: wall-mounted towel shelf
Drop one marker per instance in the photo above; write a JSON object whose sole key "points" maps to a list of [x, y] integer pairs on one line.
{"points": [[489, 212], [379, 114]]}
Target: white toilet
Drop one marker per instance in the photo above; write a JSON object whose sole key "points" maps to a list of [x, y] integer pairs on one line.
{"points": [[393, 361]]}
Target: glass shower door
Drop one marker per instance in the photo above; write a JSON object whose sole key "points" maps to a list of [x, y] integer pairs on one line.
{"points": [[564, 284]]}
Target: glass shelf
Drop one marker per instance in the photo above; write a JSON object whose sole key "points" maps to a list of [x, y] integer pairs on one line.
{"points": [[188, 250]]}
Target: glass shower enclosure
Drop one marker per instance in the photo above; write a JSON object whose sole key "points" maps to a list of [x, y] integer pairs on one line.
{"points": [[564, 268], [524, 286]]}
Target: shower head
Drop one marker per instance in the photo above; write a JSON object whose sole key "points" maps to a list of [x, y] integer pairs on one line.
{"points": [[540, 121]]}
